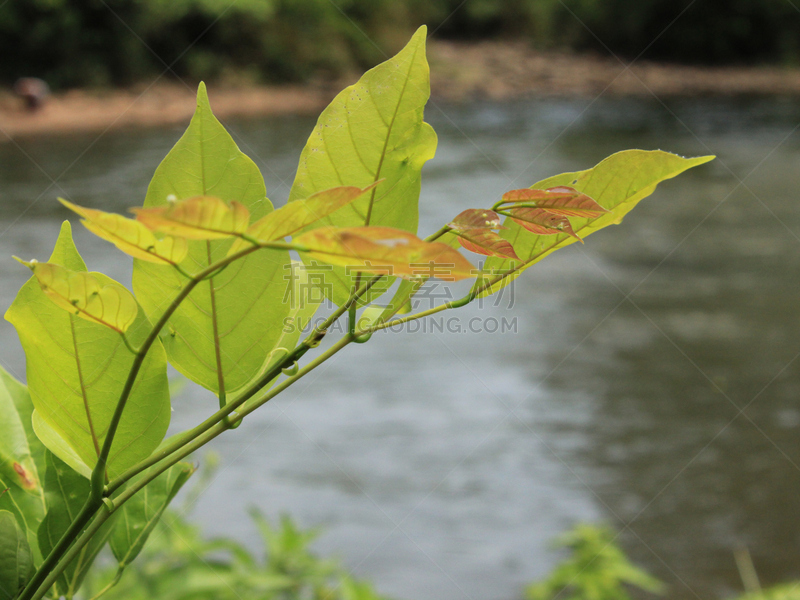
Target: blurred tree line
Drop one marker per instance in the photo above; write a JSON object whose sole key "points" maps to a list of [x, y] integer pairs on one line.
{"points": [[117, 42]]}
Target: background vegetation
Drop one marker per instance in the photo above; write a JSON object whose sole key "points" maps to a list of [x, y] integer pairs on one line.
{"points": [[117, 42]]}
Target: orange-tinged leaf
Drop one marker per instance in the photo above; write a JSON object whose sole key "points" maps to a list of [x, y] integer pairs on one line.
{"points": [[83, 295], [486, 242], [299, 214], [197, 218], [542, 222], [131, 236], [476, 218], [561, 200], [385, 250]]}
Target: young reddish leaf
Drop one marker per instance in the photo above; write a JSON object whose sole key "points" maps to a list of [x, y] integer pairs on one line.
{"points": [[299, 214], [385, 250], [486, 242], [131, 236], [542, 222], [475, 218], [197, 218], [562, 200], [83, 295]]}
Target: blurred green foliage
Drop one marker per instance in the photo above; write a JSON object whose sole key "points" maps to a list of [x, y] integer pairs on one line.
{"points": [[178, 563], [114, 42], [596, 569]]}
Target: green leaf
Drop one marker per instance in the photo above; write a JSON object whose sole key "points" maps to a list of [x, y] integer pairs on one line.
{"points": [[220, 336], [22, 401], [84, 296], [301, 297], [66, 492], [75, 372], [617, 184], [21, 492], [141, 513], [379, 312], [372, 131], [16, 564]]}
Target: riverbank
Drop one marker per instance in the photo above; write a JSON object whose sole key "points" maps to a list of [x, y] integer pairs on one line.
{"points": [[460, 72]]}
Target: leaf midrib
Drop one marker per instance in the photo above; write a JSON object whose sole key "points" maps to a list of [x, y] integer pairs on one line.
{"points": [[83, 387], [388, 136]]}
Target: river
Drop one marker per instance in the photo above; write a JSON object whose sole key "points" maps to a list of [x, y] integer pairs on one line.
{"points": [[651, 382]]}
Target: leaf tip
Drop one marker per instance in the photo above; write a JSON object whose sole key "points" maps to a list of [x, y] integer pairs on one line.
{"points": [[202, 95], [28, 263], [66, 229]]}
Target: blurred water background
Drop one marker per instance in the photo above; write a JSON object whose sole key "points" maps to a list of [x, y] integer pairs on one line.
{"points": [[652, 380]]}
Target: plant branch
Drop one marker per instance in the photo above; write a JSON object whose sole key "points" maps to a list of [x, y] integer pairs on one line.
{"points": [[311, 341], [474, 293], [71, 554], [435, 236], [110, 584], [98, 473], [220, 427], [50, 561]]}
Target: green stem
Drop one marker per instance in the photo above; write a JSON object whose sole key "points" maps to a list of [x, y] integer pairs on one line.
{"points": [[437, 309], [98, 474], [311, 341], [435, 236], [77, 525], [209, 429], [219, 427], [110, 584], [99, 470], [187, 449], [71, 554], [46, 575]]}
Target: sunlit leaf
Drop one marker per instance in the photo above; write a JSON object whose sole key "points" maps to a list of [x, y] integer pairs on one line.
{"points": [[66, 492], [384, 250], [219, 337], [59, 445], [373, 131], [303, 300], [141, 513], [19, 473], [617, 184], [297, 215], [131, 236], [561, 200], [542, 222], [16, 561], [486, 242], [476, 218], [83, 295], [196, 218], [75, 369]]}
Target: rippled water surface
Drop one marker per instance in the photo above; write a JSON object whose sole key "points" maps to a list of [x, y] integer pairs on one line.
{"points": [[652, 380]]}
